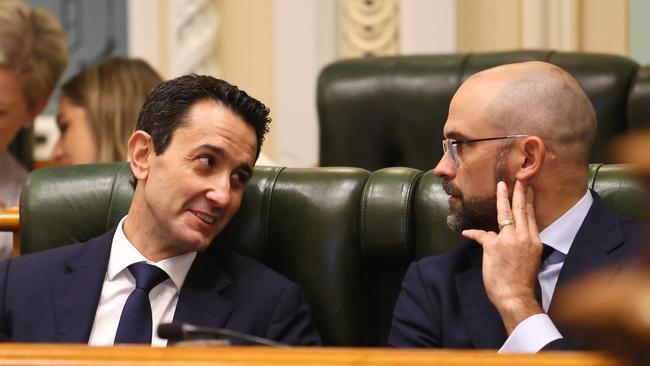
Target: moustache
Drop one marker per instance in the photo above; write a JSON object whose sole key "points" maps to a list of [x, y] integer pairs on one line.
{"points": [[451, 189]]}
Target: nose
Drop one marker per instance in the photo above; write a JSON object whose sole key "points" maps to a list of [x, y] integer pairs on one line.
{"points": [[219, 192], [445, 168]]}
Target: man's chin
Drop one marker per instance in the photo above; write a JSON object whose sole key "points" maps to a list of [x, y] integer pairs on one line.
{"points": [[195, 243], [457, 223], [454, 223]]}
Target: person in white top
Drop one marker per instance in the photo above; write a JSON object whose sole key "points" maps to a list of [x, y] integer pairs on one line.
{"points": [[33, 56], [191, 155], [515, 167]]}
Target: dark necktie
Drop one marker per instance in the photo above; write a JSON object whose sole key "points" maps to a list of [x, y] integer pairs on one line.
{"points": [[135, 322], [546, 252]]}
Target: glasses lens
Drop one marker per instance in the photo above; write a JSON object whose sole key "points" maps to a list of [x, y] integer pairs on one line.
{"points": [[448, 146]]}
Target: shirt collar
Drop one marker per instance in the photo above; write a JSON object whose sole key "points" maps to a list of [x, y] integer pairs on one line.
{"points": [[123, 254], [561, 233]]}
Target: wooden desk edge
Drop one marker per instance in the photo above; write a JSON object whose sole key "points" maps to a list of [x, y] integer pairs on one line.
{"points": [[59, 354]]}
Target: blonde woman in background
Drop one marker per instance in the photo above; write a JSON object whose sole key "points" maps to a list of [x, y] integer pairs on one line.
{"points": [[33, 56], [99, 108]]}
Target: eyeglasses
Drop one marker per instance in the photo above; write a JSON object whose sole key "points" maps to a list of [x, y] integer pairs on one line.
{"points": [[451, 146]]}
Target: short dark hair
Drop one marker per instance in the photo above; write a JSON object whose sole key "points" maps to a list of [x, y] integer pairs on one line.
{"points": [[168, 104]]}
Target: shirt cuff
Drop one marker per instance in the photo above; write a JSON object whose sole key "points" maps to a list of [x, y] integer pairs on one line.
{"points": [[531, 335]]}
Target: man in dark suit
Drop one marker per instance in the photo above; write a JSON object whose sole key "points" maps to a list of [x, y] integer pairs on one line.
{"points": [[516, 171], [191, 155]]}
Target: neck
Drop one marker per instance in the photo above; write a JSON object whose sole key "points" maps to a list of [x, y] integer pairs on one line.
{"points": [[550, 206]]}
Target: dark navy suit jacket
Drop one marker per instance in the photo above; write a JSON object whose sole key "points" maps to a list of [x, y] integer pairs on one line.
{"points": [[443, 302], [52, 296]]}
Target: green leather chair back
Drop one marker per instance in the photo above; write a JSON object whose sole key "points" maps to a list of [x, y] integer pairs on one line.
{"points": [[638, 107], [390, 111], [344, 234]]}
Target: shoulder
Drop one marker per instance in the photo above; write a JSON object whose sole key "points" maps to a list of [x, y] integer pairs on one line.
{"points": [[46, 263], [248, 272], [43, 258], [602, 221], [455, 260], [438, 273], [33, 270], [631, 227]]}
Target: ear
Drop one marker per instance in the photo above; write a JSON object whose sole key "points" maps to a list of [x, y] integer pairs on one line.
{"points": [[140, 149], [38, 108], [532, 153]]}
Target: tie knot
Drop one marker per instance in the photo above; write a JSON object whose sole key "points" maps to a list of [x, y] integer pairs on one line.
{"points": [[147, 276], [551, 256], [546, 252]]}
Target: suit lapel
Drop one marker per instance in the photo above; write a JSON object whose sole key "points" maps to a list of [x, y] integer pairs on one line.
{"points": [[482, 321], [595, 244], [76, 293], [200, 301]]}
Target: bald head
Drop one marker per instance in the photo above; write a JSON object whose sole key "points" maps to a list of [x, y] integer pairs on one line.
{"points": [[538, 98]]}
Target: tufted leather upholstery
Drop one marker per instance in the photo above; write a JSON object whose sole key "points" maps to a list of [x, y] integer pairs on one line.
{"points": [[638, 109], [389, 111], [345, 234]]}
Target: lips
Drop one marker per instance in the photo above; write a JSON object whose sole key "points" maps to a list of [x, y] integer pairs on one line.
{"points": [[451, 190], [204, 217]]}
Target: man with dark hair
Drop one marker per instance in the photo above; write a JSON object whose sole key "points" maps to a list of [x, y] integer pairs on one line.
{"points": [[530, 218], [191, 155]]}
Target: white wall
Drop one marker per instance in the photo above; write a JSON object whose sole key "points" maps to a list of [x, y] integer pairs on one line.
{"points": [[427, 26], [145, 34], [304, 42]]}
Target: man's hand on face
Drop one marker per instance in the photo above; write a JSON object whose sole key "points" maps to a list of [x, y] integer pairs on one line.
{"points": [[511, 257]]}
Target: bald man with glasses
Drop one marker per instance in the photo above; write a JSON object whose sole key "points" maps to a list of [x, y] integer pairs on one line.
{"points": [[515, 167]]}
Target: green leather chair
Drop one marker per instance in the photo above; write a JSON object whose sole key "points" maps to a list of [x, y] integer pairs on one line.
{"points": [[345, 234], [390, 111]]}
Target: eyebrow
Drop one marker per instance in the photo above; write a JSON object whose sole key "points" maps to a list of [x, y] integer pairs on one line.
{"points": [[455, 135], [217, 150]]}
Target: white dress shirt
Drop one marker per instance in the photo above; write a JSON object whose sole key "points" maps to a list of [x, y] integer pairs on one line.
{"points": [[119, 283], [535, 332]]}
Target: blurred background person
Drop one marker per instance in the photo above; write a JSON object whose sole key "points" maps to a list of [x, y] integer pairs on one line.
{"points": [[99, 108], [33, 55]]}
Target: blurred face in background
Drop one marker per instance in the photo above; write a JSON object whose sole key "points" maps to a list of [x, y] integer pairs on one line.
{"points": [[77, 143], [14, 111]]}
